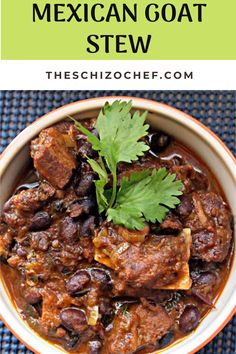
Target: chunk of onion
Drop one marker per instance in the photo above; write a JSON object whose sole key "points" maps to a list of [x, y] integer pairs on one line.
{"points": [[93, 315]]}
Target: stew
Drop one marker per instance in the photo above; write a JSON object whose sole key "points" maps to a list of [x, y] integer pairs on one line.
{"points": [[93, 286]]}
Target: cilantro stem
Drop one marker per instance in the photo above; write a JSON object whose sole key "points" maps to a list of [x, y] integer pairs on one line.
{"points": [[102, 164], [113, 196]]}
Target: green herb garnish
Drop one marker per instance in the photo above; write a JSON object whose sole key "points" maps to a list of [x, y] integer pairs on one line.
{"points": [[119, 135], [124, 309], [173, 302], [141, 196], [144, 197]]}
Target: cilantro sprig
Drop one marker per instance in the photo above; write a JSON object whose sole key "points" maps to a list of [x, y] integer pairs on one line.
{"points": [[119, 141], [145, 197], [142, 196]]}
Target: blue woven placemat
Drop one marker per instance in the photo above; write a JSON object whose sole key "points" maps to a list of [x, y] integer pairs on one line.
{"points": [[216, 109]]}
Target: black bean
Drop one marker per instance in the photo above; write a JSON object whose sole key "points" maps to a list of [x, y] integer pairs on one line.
{"points": [[83, 168], [184, 209], [78, 282], [94, 346], [206, 278], [69, 229], [101, 277], [165, 340], [21, 251], [40, 240], [88, 205], [158, 141], [32, 295], [85, 185], [189, 319], [40, 221], [74, 319], [87, 228], [86, 149]]}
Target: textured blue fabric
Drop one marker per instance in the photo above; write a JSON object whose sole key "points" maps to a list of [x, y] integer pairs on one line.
{"points": [[216, 109]]}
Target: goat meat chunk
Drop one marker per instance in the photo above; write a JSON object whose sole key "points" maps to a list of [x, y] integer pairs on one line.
{"points": [[52, 158]]}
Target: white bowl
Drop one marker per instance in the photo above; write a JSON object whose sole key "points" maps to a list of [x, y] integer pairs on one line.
{"points": [[184, 128]]}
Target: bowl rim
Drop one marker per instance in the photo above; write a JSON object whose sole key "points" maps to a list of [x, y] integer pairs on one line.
{"points": [[97, 102]]}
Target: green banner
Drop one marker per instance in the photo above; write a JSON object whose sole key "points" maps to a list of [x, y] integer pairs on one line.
{"points": [[100, 29]]}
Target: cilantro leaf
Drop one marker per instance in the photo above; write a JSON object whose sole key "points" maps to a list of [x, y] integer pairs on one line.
{"points": [[145, 197], [100, 184], [120, 132], [92, 139]]}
